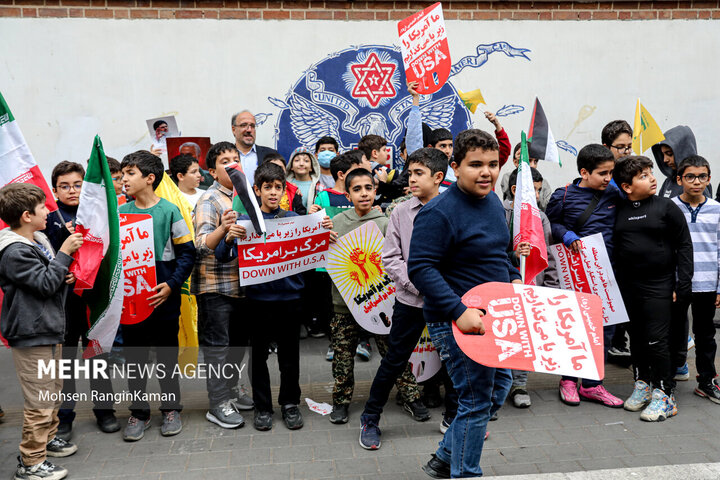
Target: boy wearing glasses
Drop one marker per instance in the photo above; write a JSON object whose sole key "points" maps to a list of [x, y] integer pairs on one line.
{"points": [[617, 136], [653, 259], [67, 179], [702, 215]]}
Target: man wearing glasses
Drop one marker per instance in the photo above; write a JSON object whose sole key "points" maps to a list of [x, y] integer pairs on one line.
{"points": [[244, 130]]}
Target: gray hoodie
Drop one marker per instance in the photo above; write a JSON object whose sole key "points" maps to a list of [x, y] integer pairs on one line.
{"points": [[33, 309], [314, 175], [682, 141]]}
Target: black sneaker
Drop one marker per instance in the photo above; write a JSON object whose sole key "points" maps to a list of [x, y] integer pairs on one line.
{"points": [[64, 431], [431, 396], [709, 390], [292, 417], [417, 410], [108, 423], [339, 414], [314, 329], [364, 351], [436, 468], [263, 421], [370, 432], [446, 421], [57, 447], [494, 417], [44, 471]]}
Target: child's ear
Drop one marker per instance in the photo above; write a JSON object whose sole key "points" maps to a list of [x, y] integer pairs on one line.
{"points": [[678, 179], [513, 189], [584, 173], [347, 195], [627, 188], [256, 190], [438, 178], [150, 179], [212, 173]]}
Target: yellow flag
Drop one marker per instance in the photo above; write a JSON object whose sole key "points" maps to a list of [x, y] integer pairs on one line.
{"points": [[646, 131], [187, 335], [472, 99]]}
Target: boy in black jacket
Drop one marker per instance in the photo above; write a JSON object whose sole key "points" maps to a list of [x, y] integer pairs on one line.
{"points": [[34, 280], [653, 247], [274, 308]]}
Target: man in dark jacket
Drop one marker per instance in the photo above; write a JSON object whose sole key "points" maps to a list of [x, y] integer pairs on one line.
{"points": [[244, 128]]}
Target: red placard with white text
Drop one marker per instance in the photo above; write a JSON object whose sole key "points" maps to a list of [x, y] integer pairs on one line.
{"points": [[590, 271], [291, 245], [138, 257], [425, 51], [537, 329]]}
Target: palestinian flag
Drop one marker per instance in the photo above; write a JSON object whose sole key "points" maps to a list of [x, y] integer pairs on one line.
{"points": [[542, 142], [527, 223], [244, 200], [98, 263], [17, 164]]}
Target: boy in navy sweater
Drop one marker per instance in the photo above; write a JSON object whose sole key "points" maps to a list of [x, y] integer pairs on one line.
{"points": [[463, 253], [274, 306], [591, 198], [174, 260]]}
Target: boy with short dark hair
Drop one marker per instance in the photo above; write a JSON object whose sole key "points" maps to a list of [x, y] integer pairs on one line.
{"points": [[427, 168], [116, 174], [617, 136], [654, 269], [585, 207], [67, 180], [34, 280], [462, 254], [174, 254], [216, 286], [344, 330], [274, 305], [702, 215], [185, 172]]}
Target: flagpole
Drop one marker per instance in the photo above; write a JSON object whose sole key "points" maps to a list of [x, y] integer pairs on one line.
{"points": [[522, 268]]}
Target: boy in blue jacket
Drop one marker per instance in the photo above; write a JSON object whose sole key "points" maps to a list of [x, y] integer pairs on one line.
{"points": [[585, 207], [274, 308], [174, 252], [468, 247]]}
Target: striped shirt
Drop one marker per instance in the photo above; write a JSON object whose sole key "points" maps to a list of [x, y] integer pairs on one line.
{"points": [[704, 225]]}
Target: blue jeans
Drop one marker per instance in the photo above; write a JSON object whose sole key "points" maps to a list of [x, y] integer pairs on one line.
{"points": [[481, 392]]}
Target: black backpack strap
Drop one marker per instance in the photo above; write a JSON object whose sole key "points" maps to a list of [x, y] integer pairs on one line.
{"points": [[281, 213], [582, 219]]}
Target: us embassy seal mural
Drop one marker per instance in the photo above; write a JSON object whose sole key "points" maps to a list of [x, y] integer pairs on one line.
{"points": [[361, 90]]}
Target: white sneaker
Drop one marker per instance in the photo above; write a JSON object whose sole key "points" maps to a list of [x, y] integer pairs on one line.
{"points": [[40, 471], [640, 397]]}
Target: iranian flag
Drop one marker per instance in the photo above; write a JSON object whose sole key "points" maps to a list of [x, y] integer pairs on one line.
{"points": [[17, 164], [98, 263], [527, 223]]}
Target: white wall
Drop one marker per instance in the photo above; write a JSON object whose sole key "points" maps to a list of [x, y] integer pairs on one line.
{"points": [[68, 79]]}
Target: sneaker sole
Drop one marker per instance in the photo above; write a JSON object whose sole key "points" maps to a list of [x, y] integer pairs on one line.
{"points": [[58, 475], [571, 403], [294, 427], [636, 409], [443, 428], [594, 400], [700, 393], [262, 428], [409, 411], [171, 432], [212, 418], [432, 473], [682, 378], [65, 453], [244, 407], [371, 447], [661, 418], [135, 439]]}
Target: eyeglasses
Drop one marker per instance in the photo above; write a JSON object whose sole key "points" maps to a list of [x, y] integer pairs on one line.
{"points": [[66, 188], [703, 177], [246, 125], [622, 148]]}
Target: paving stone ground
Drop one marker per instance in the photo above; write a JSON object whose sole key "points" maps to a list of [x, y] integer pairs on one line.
{"points": [[549, 437]]}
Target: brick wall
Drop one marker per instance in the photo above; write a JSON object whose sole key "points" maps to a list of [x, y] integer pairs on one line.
{"points": [[358, 10]]}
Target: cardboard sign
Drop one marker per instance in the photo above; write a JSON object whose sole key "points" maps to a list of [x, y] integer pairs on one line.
{"points": [[537, 329], [590, 271], [355, 266], [196, 147], [425, 360], [292, 245], [425, 50], [138, 257]]}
